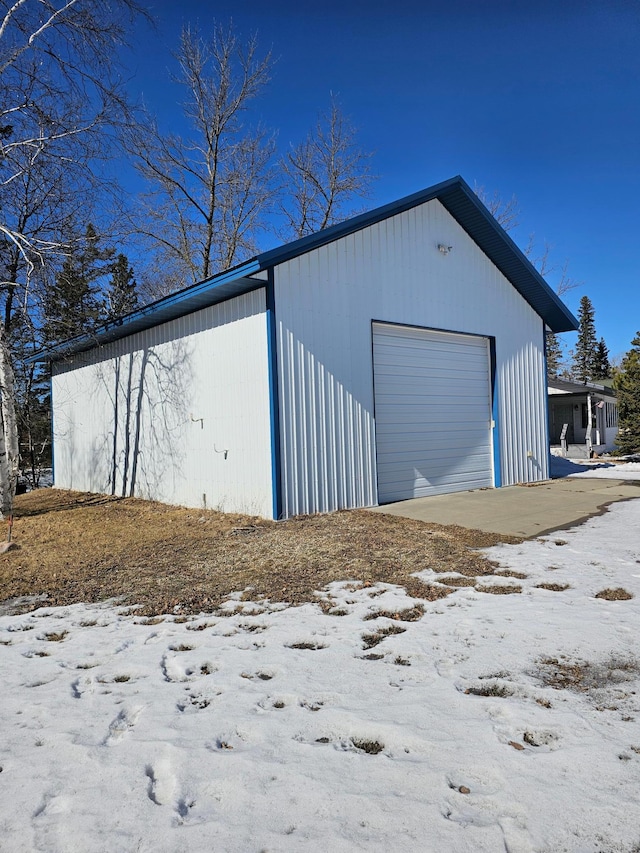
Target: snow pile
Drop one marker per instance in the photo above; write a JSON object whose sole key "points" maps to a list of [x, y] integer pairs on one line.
{"points": [[494, 722], [560, 467]]}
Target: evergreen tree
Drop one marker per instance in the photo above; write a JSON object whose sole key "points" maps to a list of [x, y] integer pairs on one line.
{"points": [[601, 365], [554, 356], [627, 385], [584, 353], [122, 296], [71, 305]]}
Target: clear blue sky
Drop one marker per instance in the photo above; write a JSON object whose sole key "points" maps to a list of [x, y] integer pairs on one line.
{"points": [[535, 99]]}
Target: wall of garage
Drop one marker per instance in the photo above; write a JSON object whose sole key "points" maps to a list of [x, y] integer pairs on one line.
{"points": [[393, 272], [177, 413]]}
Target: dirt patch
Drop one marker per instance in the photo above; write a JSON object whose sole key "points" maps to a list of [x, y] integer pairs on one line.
{"points": [[78, 547]]}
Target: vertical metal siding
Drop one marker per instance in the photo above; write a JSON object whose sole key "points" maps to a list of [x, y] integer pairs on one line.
{"points": [[178, 413], [392, 272]]}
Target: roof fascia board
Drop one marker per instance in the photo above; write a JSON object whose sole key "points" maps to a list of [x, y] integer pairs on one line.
{"points": [[173, 306], [454, 194], [499, 232]]}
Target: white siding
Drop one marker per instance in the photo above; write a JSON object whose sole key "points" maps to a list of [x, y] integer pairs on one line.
{"points": [[392, 272], [178, 413]]}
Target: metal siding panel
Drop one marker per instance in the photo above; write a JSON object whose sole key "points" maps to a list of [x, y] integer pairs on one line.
{"points": [[178, 413], [391, 271]]}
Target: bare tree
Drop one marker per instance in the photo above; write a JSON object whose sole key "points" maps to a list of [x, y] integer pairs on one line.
{"points": [[504, 211], [58, 89], [323, 175], [209, 192]]}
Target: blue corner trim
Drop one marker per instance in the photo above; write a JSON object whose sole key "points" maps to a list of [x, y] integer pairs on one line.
{"points": [[497, 465], [53, 458], [274, 397], [547, 420]]}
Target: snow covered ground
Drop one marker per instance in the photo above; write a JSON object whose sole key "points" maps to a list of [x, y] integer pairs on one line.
{"points": [[598, 468], [286, 729]]}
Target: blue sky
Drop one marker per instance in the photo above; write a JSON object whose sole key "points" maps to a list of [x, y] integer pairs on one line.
{"points": [[537, 99]]}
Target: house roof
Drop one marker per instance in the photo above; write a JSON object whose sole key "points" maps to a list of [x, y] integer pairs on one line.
{"points": [[455, 195], [564, 386]]}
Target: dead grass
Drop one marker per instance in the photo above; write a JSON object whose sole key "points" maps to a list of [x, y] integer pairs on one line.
{"points": [[410, 614], [497, 589], [617, 594], [553, 587], [458, 581], [78, 547], [498, 690], [371, 747], [372, 640], [582, 676]]}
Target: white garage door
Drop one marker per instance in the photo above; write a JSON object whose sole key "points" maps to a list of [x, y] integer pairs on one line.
{"points": [[433, 412]]}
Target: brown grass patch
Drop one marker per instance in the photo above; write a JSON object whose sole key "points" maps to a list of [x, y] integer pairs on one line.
{"points": [[410, 614], [553, 587], [458, 581], [500, 590], [371, 747], [582, 676], [510, 573], [84, 547], [617, 594], [372, 640]]}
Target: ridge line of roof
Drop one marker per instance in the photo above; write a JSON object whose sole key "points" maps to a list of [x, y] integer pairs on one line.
{"points": [[454, 194]]}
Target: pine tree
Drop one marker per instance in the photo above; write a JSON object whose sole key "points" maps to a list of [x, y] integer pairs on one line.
{"points": [[71, 305], [627, 385], [554, 356], [601, 365], [584, 353], [121, 297]]}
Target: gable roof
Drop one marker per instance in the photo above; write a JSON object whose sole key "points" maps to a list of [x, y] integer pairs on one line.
{"points": [[455, 195]]}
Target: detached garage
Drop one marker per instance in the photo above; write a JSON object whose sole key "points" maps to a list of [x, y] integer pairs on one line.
{"points": [[398, 354]]}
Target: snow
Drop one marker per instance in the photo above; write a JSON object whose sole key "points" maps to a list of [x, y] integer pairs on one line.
{"points": [[219, 734], [561, 467]]}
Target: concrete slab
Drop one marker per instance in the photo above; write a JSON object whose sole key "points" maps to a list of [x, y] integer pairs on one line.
{"points": [[526, 511]]}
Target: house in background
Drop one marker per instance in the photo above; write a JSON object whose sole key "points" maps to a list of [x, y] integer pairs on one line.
{"points": [[583, 418], [398, 354]]}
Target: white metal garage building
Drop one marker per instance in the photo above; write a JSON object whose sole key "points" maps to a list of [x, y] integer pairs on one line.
{"points": [[398, 354]]}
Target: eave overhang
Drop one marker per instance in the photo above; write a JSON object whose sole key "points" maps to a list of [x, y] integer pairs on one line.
{"points": [[455, 195]]}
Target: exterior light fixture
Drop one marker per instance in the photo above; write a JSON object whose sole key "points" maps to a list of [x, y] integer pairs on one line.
{"points": [[444, 249]]}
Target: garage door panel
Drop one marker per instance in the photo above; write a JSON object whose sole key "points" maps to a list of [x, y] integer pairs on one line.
{"points": [[433, 412]]}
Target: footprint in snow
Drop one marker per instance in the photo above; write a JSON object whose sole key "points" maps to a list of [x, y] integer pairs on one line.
{"points": [[162, 783], [174, 670], [120, 725]]}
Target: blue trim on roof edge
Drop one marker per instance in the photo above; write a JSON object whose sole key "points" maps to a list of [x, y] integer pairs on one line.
{"points": [[454, 194], [163, 310]]}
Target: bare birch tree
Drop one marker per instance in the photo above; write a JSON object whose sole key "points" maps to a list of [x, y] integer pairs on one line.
{"points": [[210, 191], [58, 89], [323, 175], [504, 211], [507, 214]]}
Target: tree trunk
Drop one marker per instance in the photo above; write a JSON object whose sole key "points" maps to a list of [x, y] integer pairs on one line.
{"points": [[9, 454]]}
